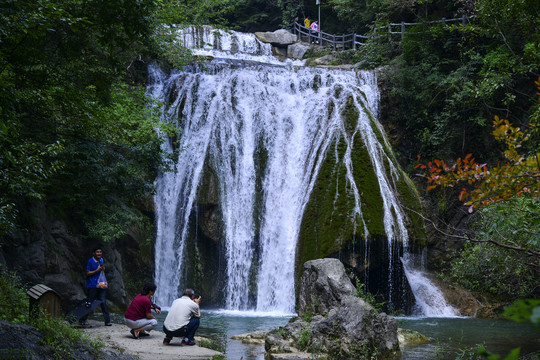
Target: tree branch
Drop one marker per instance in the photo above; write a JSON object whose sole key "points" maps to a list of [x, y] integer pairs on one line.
{"points": [[470, 238]]}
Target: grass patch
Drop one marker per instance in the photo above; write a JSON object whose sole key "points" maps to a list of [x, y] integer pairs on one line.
{"points": [[212, 344]]}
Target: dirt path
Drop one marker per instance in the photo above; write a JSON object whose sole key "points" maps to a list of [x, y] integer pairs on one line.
{"points": [[147, 348]]}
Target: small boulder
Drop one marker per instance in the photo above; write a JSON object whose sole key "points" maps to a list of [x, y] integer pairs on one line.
{"points": [[411, 337], [297, 50]]}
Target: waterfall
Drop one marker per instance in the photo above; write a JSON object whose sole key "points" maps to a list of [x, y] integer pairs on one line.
{"points": [[429, 298], [264, 131]]}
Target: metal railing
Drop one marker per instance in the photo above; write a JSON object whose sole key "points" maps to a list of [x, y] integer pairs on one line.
{"points": [[352, 41], [402, 26], [336, 42]]}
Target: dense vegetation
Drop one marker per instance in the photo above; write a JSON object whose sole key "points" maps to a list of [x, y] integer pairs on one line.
{"points": [[76, 131]]}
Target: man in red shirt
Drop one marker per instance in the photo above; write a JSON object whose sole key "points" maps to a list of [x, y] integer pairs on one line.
{"points": [[138, 316]]}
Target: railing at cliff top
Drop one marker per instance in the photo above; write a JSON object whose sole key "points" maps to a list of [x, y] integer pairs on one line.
{"points": [[336, 42], [352, 41]]}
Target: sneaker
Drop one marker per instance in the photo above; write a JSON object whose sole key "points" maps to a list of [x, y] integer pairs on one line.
{"points": [[188, 343], [84, 325], [166, 341], [108, 324], [135, 336]]}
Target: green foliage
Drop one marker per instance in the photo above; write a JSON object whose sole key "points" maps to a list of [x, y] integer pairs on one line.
{"points": [[281, 332], [307, 315], [524, 310], [513, 355], [304, 340], [451, 79], [375, 53], [368, 297], [110, 163], [76, 131], [212, 344], [194, 12], [468, 354], [58, 335], [492, 269], [13, 298]]}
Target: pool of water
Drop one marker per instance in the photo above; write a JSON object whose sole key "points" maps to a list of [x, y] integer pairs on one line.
{"points": [[449, 335], [452, 335]]}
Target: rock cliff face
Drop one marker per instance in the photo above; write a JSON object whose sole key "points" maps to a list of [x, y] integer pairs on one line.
{"points": [[50, 253], [333, 320]]}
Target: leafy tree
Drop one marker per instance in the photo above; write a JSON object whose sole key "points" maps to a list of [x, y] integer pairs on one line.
{"points": [[195, 12], [517, 176], [76, 133], [501, 256]]}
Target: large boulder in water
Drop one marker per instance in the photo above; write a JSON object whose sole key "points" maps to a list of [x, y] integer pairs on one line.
{"points": [[279, 37], [341, 325], [322, 286]]}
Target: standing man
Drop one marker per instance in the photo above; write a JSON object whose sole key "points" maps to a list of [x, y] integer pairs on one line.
{"points": [[94, 267], [183, 318], [138, 316]]}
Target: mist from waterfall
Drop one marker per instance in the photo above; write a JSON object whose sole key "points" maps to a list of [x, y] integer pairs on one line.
{"points": [[232, 115]]}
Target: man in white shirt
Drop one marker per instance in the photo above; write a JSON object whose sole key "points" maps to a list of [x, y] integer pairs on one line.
{"points": [[183, 318]]}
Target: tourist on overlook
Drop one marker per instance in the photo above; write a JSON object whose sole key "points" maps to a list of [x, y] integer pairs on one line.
{"points": [[314, 31], [307, 22], [183, 318], [96, 290], [138, 316]]}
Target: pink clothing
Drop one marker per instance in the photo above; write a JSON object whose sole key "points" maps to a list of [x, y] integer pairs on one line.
{"points": [[315, 26], [138, 308]]}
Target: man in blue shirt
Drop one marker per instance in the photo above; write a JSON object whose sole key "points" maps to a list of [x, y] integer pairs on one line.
{"points": [[94, 267]]}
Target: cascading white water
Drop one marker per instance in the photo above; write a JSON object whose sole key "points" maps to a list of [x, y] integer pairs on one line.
{"points": [[429, 298], [287, 112], [229, 115], [207, 41]]}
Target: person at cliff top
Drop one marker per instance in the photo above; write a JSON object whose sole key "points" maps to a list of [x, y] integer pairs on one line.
{"points": [[183, 318], [94, 267], [138, 316], [315, 30], [307, 22]]}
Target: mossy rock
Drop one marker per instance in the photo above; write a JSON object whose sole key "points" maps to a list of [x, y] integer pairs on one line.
{"points": [[411, 337]]}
